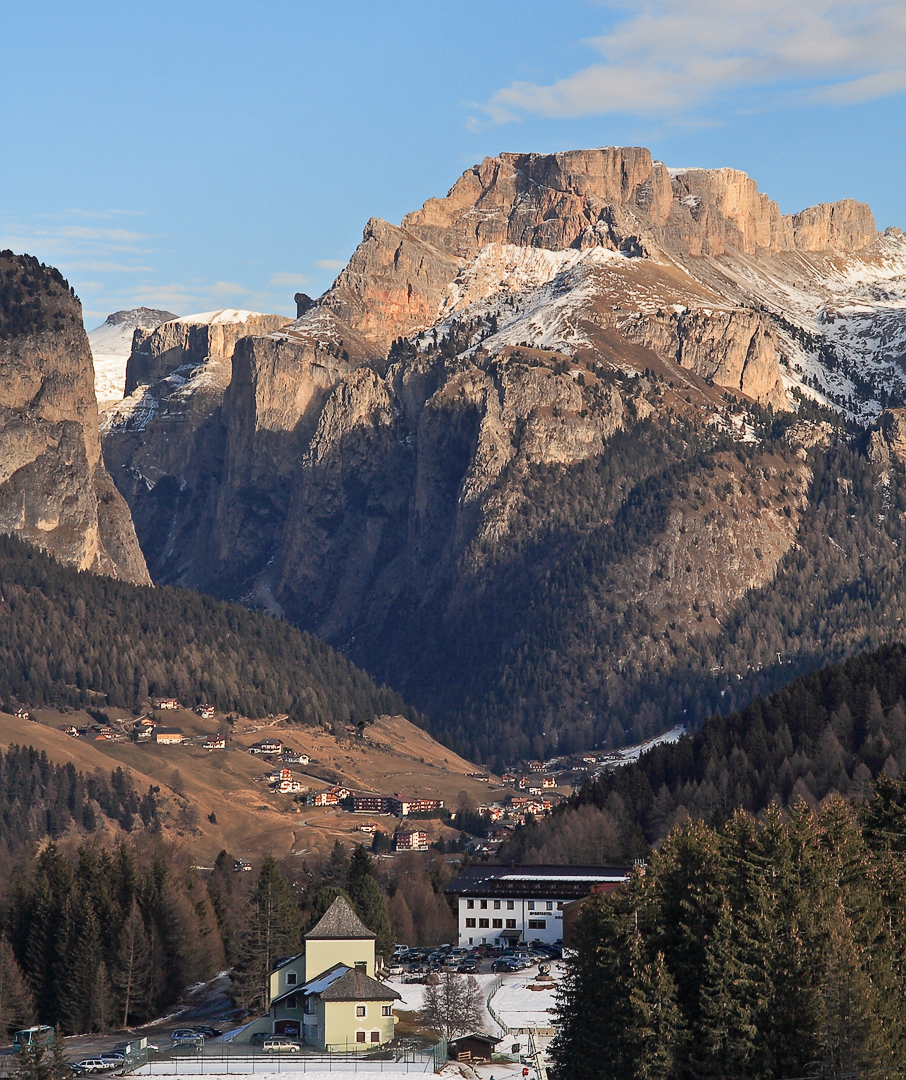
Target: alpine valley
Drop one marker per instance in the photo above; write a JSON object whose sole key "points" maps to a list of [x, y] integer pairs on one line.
{"points": [[585, 449]]}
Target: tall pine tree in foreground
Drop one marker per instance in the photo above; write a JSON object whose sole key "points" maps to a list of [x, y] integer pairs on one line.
{"points": [[767, 948]]}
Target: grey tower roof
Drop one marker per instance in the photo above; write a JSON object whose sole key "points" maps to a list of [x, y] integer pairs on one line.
{"points": [[357, 986], [339, 923]]}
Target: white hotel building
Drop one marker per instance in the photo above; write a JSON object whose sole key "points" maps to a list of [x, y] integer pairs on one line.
{"points": [[508, 905]]}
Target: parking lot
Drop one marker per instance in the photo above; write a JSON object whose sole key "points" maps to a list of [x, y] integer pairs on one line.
{"points": [[478, 960]]}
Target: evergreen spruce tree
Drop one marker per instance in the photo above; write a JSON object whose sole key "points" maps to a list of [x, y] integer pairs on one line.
{"points": [[273, 928], [655, 1017], [594, 1012], [132, 971], [17, 1003]]}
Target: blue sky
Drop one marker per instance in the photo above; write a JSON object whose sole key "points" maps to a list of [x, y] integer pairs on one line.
{"points": [[197, 155]]}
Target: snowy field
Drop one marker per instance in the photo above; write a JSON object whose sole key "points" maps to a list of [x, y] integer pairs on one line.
{"points": [[521, 1001]]}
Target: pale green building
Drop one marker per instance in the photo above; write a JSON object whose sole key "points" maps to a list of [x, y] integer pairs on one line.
{"points": [[328, 997]]}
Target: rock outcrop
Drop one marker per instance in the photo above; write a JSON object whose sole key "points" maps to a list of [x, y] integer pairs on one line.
{"points": [[887, 442], [187, 343], [164, 442], [54, 490]]}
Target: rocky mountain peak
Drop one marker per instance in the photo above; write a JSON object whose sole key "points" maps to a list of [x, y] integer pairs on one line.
{"points": [[400, 278], [54, 489]]}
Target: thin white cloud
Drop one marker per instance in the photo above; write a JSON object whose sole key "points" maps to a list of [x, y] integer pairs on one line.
{"points": [[288, 279], [676, 55], [227, 288], [331, 264]]}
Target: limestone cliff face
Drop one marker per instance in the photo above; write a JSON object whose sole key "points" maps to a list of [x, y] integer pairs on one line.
{"points": [[846, 225], [737, 349], [399, 280], [164, 442], [54, 490], [192, 341], [407, 476], [395, 283]]}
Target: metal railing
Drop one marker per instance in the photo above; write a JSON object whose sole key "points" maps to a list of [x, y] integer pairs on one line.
{"points": [[228, 1059]]}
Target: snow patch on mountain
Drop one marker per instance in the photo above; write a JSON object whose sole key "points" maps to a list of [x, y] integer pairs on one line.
{"points": [[111, 346], [221, 317]]}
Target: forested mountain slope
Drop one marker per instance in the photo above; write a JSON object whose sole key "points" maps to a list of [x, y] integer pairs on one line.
{"points": [[836, 730], [69, 638]]}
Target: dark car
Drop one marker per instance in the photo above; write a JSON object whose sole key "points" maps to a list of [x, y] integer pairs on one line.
{"points": [[469, 967], [505, 963], [208, 1032]]}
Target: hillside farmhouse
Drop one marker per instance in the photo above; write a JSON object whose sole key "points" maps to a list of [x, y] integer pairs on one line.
{"points": [[167, 736]]}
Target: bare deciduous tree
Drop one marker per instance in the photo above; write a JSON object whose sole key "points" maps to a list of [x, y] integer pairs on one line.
{"points": [[453, 1006]]}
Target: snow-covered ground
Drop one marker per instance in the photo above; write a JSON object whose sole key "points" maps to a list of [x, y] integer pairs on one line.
{"points": [[630, 754], [520, 1001]]}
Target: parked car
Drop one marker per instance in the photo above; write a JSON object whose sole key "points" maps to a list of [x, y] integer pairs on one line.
{"points": [[208, 1032], [504, 964], [258, 1038], [91, 1065], [114, 1057], [187, 1037], [469, 967], [77, 1070], [279, 1044]]}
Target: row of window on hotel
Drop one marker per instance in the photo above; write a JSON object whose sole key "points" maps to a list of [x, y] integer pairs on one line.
{"points": [[511, 905], [497, 924]]}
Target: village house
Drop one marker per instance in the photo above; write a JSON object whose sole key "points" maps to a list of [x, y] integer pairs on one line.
{"points": [[291, 757], [328, 997], [166, 703], [290, 786], [167, 736], [267, 746], [403, 807], [506, 905], [410, 840], [218, 742], [548, 782], [329, 797], [370, 803], [206, 712]]}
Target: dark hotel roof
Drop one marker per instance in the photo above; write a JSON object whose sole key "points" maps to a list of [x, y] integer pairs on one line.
{"points": [[535, 882]]}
